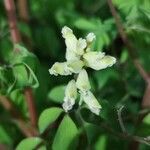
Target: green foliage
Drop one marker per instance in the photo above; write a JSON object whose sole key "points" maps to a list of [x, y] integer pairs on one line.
{"points": [[48, 117], [57, 94], [66, 135], [30, 143], [4, 136], [43, 45]]}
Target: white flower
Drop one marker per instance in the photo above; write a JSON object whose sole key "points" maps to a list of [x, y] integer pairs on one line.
{"points": [[82, 82], [70, 39], [71, 55], [90, 37], [81, 45], [75, 66], [92, 102], [71, 90], [68, 104], [60, 69], [66, 31], [74, 48], [70, 96], [98, 60]]}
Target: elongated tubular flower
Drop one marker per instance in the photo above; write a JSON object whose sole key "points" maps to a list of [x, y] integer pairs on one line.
{"points": [[75, 48], [98, 60], [70, 96], [91, 101], [60, 69], [82, 82]]}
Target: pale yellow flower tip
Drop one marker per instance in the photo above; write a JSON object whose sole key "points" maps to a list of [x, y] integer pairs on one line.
{"points": [[60, 69], [90, 37], [98, 60], [66, 31], [82, 82], [92, 102]]}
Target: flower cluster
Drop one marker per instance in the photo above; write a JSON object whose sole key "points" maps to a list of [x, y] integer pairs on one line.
{"points": [[78, 57]]}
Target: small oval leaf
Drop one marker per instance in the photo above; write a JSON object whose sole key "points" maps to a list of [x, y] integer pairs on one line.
{"points": [[66, 136], [57, 94], [47, 117], [30, 144]]}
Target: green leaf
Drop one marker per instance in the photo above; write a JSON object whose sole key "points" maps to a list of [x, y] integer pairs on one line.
{"points": [[21, 75], [124, 56], [66, 135], [57, 94], [18, 99], [23, 56], [85, 24], [101, 143], [105, 76], [47, 117], [25, 76], [4, 137], [30, 144], [146, 119]]}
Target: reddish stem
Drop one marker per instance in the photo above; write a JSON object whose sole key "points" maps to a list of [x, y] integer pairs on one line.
{"points": [[16, 38], [10, 9], [29, 97]]}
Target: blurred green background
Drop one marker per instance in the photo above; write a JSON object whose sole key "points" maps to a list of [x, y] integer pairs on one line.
{"points": [[119, 85]]}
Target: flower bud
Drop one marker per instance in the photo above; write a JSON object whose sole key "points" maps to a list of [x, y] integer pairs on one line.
{"points": [[90, 37], [66, 31], [70, 39]]}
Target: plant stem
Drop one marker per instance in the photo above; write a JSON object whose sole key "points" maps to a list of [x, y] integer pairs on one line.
{"points": [[10, 10], [23, 125], [16, 38], [127, 43], [132, 53], [23, 10], [137, 64], [31, 106]]}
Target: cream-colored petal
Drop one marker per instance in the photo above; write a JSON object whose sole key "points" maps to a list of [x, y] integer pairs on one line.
{"points": [[103, 63], [82, 82], [81, 45], [90, 37], [60, 69], [70, 39], [70, 96], [71, 90], [75, 66], [71, 55], [92, 102], [68, 104], [98, 60], [66, 31]]}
